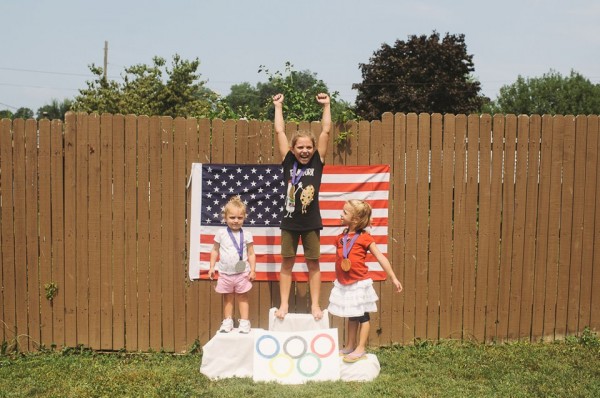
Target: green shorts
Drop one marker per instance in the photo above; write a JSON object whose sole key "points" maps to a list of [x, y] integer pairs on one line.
{"points": [[311, 242]]}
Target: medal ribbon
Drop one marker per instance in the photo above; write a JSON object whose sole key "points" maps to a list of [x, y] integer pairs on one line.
{"points": [[296, 178], [346, 250], [240, 247]]}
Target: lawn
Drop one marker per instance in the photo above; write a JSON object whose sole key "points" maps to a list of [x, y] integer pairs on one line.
{"points": [[569, 368]]}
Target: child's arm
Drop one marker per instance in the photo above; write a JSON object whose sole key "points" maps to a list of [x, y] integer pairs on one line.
{"points": [[325, 101], [282, 141], [214, 253], [252, 261], [385, 264]]}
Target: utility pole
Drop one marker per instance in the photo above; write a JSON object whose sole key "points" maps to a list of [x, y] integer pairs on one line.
{"points": [[105, 58]]}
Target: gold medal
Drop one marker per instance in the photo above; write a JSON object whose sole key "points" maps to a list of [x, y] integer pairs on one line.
{"points": [[346, 248], [346, 264]]}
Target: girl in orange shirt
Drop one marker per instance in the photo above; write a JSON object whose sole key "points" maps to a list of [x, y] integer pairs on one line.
{"points": [[353, 295]]}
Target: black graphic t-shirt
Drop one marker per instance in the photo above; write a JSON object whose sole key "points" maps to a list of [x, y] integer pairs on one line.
{"points": [[307, 214]]}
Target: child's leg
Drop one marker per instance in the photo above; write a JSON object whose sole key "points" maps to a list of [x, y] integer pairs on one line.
{"points": [[360, 351], [228, 305], [351, 335], [242, 299], [363, 336], [285, 286], [312, 252], [314, 280]]}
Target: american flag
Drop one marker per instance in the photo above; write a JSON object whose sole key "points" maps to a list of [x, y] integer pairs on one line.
{"points": [[262, 188]]}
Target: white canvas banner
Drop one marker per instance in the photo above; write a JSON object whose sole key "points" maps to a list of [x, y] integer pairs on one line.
{"points": [[296, 357]]}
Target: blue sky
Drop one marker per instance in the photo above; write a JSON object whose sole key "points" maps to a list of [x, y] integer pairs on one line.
{"points": [[46, 46]]}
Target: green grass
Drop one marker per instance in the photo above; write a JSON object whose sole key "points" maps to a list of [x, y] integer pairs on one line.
{"points": [[568, 368]]}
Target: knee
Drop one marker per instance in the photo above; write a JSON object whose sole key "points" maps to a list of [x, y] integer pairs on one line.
{"points": [[313, 265], [287, 264]]}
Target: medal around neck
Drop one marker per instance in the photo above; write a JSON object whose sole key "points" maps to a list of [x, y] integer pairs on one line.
{"points": [[240, 266], [346, 264], [346, 247]]}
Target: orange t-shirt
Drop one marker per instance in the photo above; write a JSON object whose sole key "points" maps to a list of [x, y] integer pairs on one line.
{"points": [[357, 256]]}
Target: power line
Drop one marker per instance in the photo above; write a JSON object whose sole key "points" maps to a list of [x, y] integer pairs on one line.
{"points": [[46, 72], [8, 106], [45, 87], [53, 73]]}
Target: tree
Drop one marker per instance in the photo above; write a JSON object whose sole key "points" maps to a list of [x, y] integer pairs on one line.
{"points": [[6, 114], [299, 88], [422, 74], [102, 95], [550, 94], [143, 91], [246, 101], [23, 113], [55, 109]]}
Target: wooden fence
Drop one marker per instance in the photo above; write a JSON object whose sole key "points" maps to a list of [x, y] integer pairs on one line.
{"points": [[494, 222]]}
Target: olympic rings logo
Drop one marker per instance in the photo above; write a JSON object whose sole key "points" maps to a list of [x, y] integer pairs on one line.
{"points": [[281, 356]]}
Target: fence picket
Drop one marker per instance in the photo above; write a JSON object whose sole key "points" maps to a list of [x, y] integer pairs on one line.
{"points": [[106, 238], [530, 228], [155, 261], [118, 236], [410, 233], [471, 221], [566, 225], [485, 227], [208, 306], [591, 172], [447, 226], [44, 234], [397, 179], [422, 230], [166, 254], [595, 302], [58, 252], [33, 271], [20, 233], [178, 264], [192, 155], [541, 248], [94, 231], [554, 228], [573, 306], [143, 228], [435, 234], [70, 219], [518, 234]]}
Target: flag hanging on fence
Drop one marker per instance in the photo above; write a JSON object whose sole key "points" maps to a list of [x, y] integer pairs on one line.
{"points": [[262, 188]]}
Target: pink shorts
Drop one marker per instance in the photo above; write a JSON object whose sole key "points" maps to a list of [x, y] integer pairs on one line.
{"points": [[236, 283]]}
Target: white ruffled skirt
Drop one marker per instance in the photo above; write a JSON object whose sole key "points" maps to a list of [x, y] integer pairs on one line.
{"points": [[352, 300]]}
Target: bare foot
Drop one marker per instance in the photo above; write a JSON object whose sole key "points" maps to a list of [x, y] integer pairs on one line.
{"points": [[317, 313], [281, 312]]}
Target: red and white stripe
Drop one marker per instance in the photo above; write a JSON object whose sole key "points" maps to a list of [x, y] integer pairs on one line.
{"points": [[339, 184]]}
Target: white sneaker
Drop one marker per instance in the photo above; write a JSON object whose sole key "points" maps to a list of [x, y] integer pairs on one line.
{"points": [[226, 325], [244, 326]]}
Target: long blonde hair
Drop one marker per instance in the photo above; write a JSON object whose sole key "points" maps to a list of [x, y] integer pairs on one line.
{"points": [[361, 214]]}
